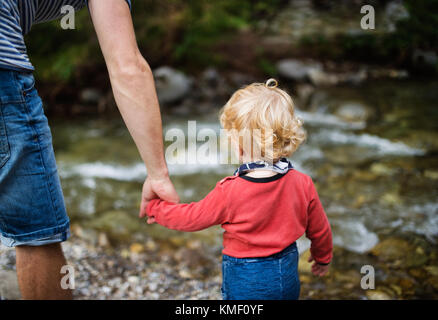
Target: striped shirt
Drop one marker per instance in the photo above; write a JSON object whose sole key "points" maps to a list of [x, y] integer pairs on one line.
{"points": [[16, 20]]}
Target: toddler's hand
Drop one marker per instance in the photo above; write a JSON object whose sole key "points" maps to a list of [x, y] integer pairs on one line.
{"points": [[318, 269], [151, 220]]}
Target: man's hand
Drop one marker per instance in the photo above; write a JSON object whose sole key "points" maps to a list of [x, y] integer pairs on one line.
{"points": [[318, 269], [157, 188]]}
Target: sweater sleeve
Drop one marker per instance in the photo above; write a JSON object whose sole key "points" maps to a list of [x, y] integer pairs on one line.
{"points": [[190, 216], [318, 229]]}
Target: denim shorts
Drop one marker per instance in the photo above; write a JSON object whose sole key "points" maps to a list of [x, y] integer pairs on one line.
{"points": [[268, 278], [32, 209]]}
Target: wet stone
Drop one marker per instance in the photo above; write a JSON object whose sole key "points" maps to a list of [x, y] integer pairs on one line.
{"points": [[9, 285], [378, 295], [399, 252]]}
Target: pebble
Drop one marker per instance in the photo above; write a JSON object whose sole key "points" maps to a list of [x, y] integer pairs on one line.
{"points": [[433, 270], [9, 285], [153, 286], [377, 295], [133, 279], [185, 274], [136, 248]]}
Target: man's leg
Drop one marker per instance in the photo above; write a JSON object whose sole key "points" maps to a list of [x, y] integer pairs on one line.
{"points": [[39, 272], [33, 217]]}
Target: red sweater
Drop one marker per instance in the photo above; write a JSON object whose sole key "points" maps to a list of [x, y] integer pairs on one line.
{"points": [[260, 216]]}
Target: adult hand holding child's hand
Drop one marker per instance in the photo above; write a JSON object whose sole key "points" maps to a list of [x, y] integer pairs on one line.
{"points": [[318, 269], [154, 188]]}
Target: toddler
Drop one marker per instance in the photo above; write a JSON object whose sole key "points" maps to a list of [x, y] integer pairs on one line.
{"points": [[264, 207]]}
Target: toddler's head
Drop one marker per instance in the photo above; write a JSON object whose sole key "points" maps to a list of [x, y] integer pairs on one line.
{"points": [[260, 119]]}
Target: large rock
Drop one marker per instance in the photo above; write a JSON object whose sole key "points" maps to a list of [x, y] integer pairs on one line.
{"points": [[353, 111], [424, 58], [211, 87], [297, 70], [314, 72], [172, 85], [320, 78], [91, 96], [323, 78], [211, 77], [355, 78], [399, 252], [395, 11], [9, 285], [304, 93]]}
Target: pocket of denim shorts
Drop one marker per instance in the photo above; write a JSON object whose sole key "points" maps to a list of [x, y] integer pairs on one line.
{"points": [[27, 82], [4, 143]]}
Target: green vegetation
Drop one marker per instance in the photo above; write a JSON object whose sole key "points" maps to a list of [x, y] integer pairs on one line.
{"points": [[187, 34], [421, 29], [57, 52], [418, 31], [173, 32]]}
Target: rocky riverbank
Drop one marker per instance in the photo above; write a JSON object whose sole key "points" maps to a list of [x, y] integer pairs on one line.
{"points": [[190, 269], [135, 271]]}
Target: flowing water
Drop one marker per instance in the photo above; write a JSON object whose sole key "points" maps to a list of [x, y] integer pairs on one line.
{"points": [[372, 152]]}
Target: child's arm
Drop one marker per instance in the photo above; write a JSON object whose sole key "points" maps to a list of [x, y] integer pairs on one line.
{"points": [[190, 216], [318, 230]]}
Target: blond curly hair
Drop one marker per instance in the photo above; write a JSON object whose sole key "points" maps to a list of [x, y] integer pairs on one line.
{"points": [[267, 112]]}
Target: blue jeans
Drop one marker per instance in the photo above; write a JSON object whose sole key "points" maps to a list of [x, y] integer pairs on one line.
{"points": [[268, 278], [32, 210]]}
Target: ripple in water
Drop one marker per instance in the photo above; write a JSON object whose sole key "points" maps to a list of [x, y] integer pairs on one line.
{"points": [[381, 146]]}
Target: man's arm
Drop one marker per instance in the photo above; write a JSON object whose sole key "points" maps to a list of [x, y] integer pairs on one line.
{"points": [[134, 91]]}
